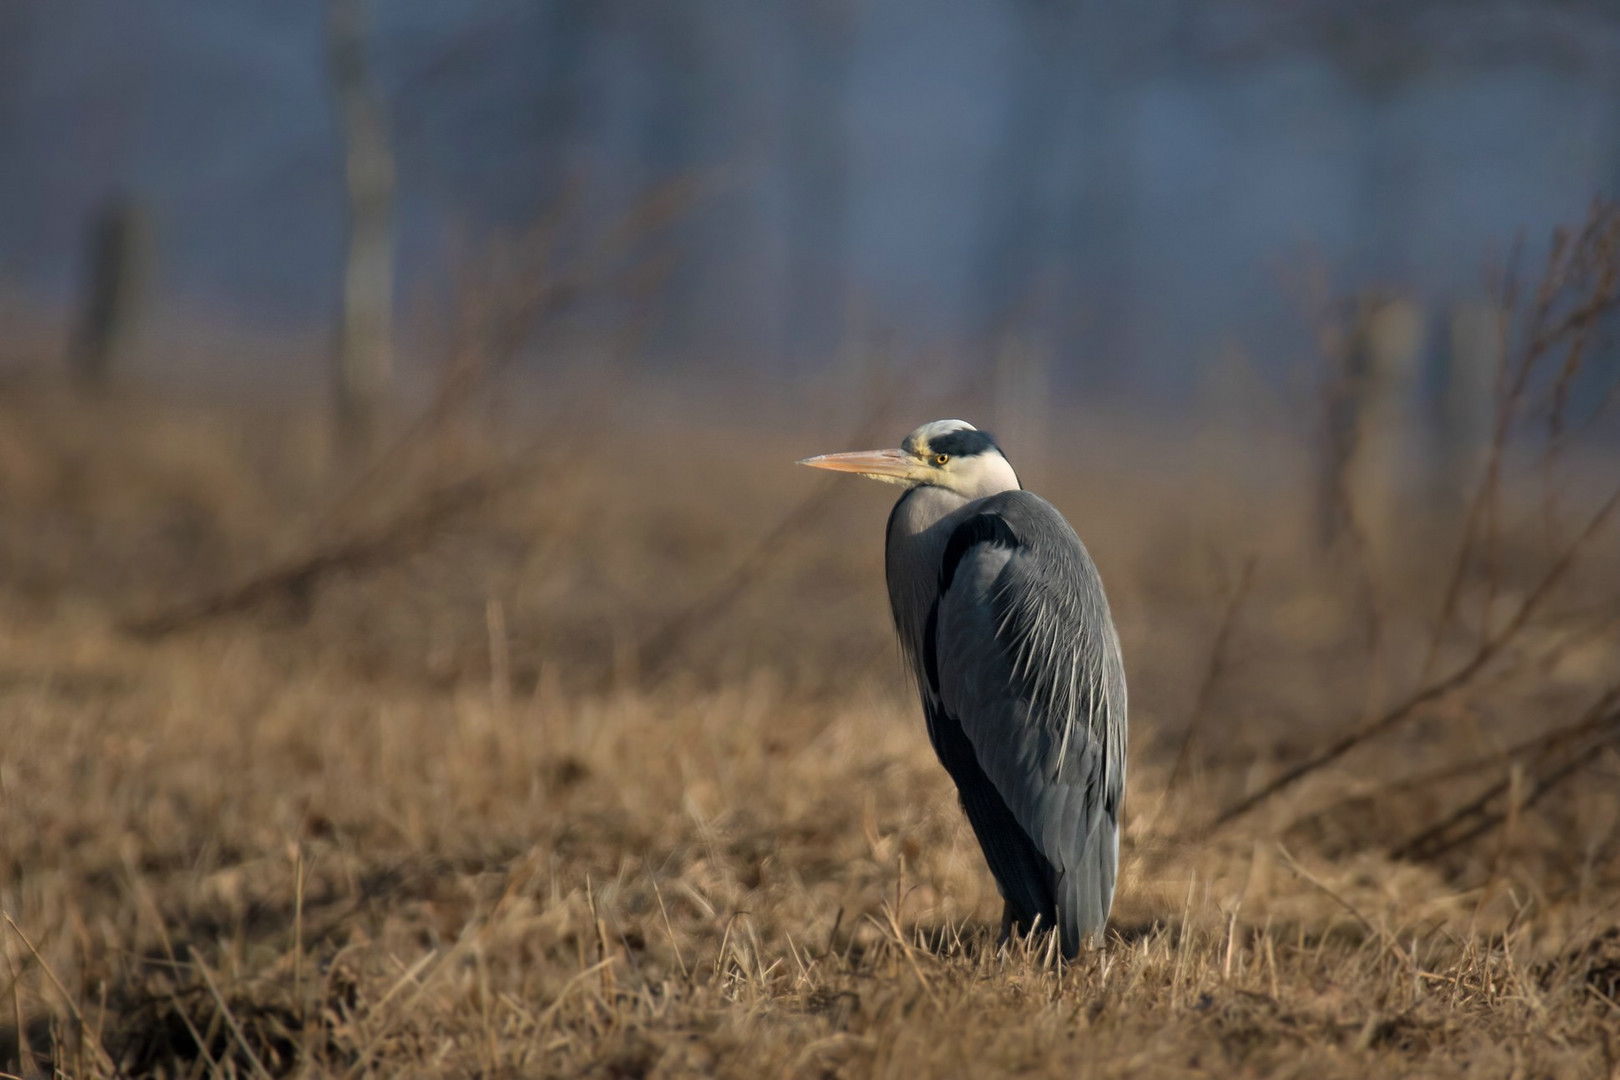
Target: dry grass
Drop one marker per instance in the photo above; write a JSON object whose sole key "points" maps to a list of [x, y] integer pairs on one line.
{"points": [[434, 817]]}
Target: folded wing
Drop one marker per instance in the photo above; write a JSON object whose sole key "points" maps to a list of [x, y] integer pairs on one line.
{"points": [[1024, 664]]}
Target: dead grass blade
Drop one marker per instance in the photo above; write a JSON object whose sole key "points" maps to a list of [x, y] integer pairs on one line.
{"points": [[390, 1023], [25, 1051], [230, 1017], [86, 1032]]}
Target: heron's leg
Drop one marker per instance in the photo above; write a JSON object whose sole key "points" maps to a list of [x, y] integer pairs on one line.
{"points": [[1006, 924]]}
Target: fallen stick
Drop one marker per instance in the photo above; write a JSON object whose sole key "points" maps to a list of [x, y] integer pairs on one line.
{"points": [[297, 578]]}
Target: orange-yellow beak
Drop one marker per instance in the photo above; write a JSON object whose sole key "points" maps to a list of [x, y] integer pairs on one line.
{"points": [[878, 464]]}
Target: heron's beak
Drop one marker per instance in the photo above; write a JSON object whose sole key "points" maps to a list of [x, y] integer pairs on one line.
{"points": [[888, 465]]}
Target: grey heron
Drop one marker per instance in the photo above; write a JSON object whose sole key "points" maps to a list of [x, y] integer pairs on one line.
{"points": [[1002, 617]]}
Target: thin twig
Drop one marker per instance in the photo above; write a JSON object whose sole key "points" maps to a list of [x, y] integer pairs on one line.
{"points": [[1383, 937], [296, 578], [1566, 259], [1217, 665], [513, 326], [1457, 770], [660, 647], [1439, 839]]}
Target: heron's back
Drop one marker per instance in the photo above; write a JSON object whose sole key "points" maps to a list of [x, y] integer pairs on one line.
{"points": [[1004, 620]]}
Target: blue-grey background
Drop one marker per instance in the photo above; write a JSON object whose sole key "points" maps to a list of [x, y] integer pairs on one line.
{"points": [[1138, 187]]}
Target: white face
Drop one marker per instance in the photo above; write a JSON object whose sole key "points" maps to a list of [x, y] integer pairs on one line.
{"points": [[935, 456], [973, 475]]}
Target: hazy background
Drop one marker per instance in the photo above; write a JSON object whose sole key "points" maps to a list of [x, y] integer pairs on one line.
{"points": [[1136, 193], [419, 654]]}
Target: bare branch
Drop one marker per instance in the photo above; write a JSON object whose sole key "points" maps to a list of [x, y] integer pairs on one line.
{"points": [[1488, 650], [296, 579], [1556, 756], [661, 646], [1217, 666]]}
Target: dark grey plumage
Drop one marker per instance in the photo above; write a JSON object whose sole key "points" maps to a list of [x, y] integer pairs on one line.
{"points": [[1024, 690], [1002, 615]]}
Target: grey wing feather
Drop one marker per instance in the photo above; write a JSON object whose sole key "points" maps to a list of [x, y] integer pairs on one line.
{"points": [[1029, 663]]}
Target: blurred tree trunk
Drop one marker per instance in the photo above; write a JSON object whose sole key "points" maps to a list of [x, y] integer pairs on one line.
{"points": [[364, 362], [1015, 222], [687, 129], [1097, 247], [1054, 249], [115, 286], [817, 164], [17, 23], [1369, 419], [570, 31], [1465, 403]]}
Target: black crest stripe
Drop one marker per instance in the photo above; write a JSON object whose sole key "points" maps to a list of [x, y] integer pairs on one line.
{"points": [[963, 443]]}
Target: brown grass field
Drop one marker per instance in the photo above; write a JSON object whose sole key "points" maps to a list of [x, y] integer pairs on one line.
{"points": [[610, 767]]}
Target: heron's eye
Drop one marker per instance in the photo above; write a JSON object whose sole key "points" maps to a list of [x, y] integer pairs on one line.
{"points": [[940, 459]]}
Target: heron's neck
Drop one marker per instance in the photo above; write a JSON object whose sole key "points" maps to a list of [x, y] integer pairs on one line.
{"points": [[913, 548], [920, 509]]}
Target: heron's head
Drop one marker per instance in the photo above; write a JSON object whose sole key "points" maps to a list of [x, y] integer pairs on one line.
{"points": [[951, 454]]}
